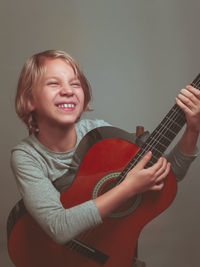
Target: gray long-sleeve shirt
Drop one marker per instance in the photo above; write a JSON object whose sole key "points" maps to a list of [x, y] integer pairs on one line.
{"points": [[36, 168]]}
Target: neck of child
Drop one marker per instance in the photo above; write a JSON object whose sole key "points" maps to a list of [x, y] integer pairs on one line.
{"points": [[58, 139]]}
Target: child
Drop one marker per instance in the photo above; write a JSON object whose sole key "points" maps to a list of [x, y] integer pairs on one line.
{"points": [[52, 94]]}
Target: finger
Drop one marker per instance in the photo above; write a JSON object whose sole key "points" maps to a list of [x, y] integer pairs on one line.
{"points": [[143, 162], [194, 91], [189, 96], [156, 167], [164, 174], [162, 168], [184, 107], [157, 187]]}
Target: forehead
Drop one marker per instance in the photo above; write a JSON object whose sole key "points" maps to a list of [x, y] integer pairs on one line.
{"points": [[57, 66]]}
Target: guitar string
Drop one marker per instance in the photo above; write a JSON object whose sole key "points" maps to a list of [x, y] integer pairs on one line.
{"points": [[163, 130], [180, 113], [175, 115]]}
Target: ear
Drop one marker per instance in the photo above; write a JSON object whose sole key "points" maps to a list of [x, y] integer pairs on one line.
{"points": [[31, 105], [88, 108]]}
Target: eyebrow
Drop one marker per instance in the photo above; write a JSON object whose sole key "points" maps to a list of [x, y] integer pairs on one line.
{"points": [[56, 77], [50, 77]]}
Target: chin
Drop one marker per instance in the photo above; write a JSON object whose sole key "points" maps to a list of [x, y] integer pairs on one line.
{"points": [[68, 122]]}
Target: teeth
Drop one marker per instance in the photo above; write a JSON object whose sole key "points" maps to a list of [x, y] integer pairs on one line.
{"points": [[66, 106]]}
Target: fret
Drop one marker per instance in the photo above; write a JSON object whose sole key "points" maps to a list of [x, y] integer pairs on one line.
{"points": [[159, 142], [168, 133], [195, 85], [177, 118], [174, 122], [196, 82], [154, 150], [182, 118], [172, 128], [162, 138], [178, 113]]}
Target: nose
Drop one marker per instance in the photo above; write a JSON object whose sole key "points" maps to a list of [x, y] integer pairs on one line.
{"points": [[66, 90]]}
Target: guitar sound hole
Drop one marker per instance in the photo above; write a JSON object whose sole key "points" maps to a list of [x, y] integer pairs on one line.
{"points": [[108, 182], [108, 186], [124, 209]]}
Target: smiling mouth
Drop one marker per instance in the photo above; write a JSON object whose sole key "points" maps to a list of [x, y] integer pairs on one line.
{"points": [[68, 106]]}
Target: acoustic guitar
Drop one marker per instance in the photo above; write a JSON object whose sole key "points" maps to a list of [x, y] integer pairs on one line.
{"points": [[105, 155]]}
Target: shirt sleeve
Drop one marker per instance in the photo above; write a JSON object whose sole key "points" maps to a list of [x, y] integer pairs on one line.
{"points": [[180, 162], [42, 201]]}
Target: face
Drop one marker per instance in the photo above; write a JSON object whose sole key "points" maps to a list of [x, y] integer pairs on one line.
{"points": [[58, 98]]}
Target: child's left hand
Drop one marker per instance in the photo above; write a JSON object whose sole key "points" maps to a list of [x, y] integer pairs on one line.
{"points": [[189, 101]]}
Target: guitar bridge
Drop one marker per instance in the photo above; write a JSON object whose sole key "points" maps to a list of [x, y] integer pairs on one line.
{"points": [[88, 251]]}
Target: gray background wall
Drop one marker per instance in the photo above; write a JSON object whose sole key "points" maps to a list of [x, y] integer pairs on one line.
{"points": [[137, 55]]}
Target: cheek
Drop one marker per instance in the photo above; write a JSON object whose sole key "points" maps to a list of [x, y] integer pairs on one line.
{"points": [[81, 97], [46, 96]]}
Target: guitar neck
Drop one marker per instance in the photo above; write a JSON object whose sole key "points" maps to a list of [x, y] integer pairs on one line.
{"points": [[162, 136]]}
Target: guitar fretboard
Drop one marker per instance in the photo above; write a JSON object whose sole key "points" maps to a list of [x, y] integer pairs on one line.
{"points": [[162, 136]]}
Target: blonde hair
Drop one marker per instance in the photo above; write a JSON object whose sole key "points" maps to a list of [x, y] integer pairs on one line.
{"points": [[32, 70]]}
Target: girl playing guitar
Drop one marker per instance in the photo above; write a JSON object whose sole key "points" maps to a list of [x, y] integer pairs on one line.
{"points": [[52, 94]]}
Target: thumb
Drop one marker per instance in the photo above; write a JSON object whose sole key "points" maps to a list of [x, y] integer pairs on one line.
{"points": [[142, 163]]}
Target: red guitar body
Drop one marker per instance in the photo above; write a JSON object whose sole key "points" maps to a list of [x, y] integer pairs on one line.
{"points": [[29, 246]]}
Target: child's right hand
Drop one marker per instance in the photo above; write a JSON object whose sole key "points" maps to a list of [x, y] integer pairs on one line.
{"points": [[139, 179]]}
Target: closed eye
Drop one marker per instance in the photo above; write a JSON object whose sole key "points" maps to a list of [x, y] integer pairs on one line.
{"points": [[52, 83], [76, 84]]}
